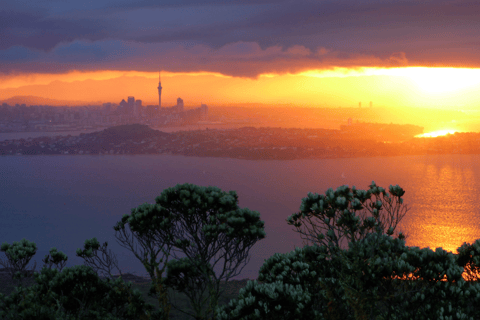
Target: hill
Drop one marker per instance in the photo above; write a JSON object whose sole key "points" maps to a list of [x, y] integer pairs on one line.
{"points": [[126, 132]]}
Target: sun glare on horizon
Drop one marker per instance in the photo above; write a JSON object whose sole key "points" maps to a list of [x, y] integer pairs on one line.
{"points": [[423, 87], [431, 81], [442, 80], [435, 134]]}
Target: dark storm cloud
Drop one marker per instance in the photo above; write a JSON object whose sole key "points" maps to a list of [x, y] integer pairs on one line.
{"points": [[36, 30], [210, 35]]}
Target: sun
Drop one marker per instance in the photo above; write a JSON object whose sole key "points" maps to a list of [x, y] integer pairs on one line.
{"points": [[441, 80], [437, 133], [455, 85]]}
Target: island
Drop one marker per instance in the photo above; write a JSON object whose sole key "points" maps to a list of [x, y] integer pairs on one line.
{"points": [[264, 143]]}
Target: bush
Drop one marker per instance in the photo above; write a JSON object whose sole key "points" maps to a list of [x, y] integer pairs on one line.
{"points": [[75, 293], [375, 276]]}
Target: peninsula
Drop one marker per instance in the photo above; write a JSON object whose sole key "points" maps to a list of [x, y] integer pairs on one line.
{"points": [[248, 143]]}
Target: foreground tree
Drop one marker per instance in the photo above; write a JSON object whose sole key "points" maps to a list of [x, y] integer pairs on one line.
{"points": [[348, 215], [285, 289], [383, 279], [207, 226], [204, 223], [143, 223], [375, 277], [341, 217]]}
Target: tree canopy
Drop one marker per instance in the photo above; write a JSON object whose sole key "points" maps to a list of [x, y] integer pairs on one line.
{"points": [[207, 225]]}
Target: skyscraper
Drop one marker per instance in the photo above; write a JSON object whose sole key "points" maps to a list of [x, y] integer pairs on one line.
{"points": [[137, 108], [159, 91], [130, 105], [179, 105]]}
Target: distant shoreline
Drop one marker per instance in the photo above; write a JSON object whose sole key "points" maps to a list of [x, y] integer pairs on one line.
{"points": [[38, 134], [248, 143], [239, 158]]}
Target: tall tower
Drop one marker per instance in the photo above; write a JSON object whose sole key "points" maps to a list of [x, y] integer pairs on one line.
{"points": [[159, 91]]}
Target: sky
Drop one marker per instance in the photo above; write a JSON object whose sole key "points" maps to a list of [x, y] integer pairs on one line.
{"points": [[314, 53]]}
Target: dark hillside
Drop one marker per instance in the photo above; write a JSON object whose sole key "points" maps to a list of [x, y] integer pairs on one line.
{"points": [[126, 132]]}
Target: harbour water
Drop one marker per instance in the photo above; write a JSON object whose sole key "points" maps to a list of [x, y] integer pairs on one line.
{"points": [[61, 201]]}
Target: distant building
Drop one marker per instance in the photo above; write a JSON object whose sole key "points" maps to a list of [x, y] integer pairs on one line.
{"points": [[349, 122], [370, 104], [127, 107], [122, 107], [179, 105], [131, 105], [137, 107], [359, 104], [107, 106]]}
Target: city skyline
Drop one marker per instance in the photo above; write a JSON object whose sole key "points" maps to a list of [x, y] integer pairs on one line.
{"points": [[316, 54]]}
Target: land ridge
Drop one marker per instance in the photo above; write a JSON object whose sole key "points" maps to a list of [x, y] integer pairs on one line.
{"points": [[263, 143]]}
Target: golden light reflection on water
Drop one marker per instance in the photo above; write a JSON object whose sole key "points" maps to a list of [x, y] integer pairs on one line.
{"points": [[446, 211]]}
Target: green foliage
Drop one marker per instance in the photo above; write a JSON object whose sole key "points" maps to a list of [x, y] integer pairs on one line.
{"points": [[469, 258], [143, 222], [20, 253], [77, 291], [199, 221], [358, 268], [286, 287], [269, 301], [348, 215], [206, 224], [375, 277], [364, 288]]}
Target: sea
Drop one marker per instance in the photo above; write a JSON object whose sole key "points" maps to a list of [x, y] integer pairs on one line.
{"points": [[60, 201]]}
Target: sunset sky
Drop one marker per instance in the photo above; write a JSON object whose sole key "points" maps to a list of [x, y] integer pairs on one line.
{"points": [[310, 53]]}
